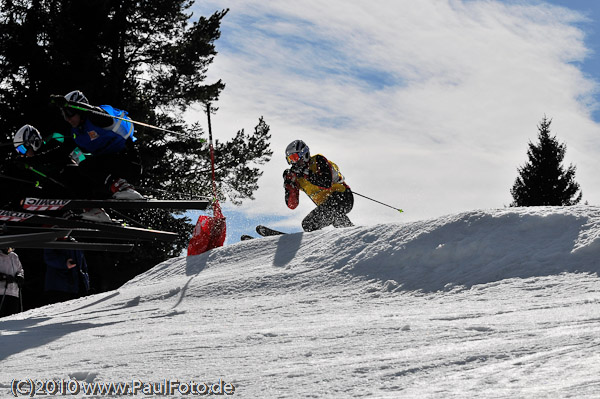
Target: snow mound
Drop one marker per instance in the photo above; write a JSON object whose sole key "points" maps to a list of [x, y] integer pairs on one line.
{"points": [[445, 253], [488, 303]]}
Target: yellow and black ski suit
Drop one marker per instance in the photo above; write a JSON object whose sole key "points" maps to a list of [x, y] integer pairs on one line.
{"points": [[322, 181]]}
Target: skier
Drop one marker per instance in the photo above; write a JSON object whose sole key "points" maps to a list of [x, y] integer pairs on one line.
{"points": [[113, 157], [46, 159], [66, 275], [11, 281], [51, 164], [29, 175], [18, 180], [322, 181], [28, 142]]}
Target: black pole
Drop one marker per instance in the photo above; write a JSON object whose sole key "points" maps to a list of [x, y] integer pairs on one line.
{"points": [[212, 151], [4, 295], [389, 206]]}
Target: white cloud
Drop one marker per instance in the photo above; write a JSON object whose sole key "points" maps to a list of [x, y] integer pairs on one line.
{"points": [[425, 105]]}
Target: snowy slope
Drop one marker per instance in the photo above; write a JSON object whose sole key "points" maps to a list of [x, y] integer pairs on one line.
{"points": [[490, 303]]}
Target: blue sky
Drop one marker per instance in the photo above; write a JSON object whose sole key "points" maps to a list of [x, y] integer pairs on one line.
{"points": [[427, 105], [591, 10]]}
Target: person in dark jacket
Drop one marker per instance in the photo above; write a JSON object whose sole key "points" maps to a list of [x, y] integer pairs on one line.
{"points": [[49, 168], [322, 181], [66, 275], [39, 168]]}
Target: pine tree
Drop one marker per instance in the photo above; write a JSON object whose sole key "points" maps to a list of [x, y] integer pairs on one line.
{"points": [[147, 57], [543, 180]]}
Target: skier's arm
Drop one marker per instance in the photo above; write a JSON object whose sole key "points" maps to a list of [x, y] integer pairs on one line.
{"points": [[99, 117], [323, 177], [20, 276], [291, 189], [54, 152], [83, 109]]}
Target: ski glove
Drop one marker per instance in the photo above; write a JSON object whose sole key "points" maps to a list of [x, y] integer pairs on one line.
{"points": [[301, 170], [289, 177], [58, 100], [290, 184], [62, 102], [13, 279]]}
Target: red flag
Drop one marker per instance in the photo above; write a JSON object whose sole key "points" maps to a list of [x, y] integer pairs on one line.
{"points": [[209, 233]]}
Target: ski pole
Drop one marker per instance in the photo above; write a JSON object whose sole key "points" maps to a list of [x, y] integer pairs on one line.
{"points": [[132, 220], [3, 295], [18, 180], [45, 176], [93, 111], [32, 182], [389, 206], [21, 298]]}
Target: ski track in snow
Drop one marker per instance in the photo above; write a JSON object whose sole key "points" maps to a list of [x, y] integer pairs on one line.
{"points": [[490, 303]]}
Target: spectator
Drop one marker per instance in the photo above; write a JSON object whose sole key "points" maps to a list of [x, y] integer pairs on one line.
{"points": [[66, 275], [11, 281]]}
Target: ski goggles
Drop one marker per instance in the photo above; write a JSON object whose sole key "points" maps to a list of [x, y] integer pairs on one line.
{"points": [[296, 156], [293, 158], [67, 112], [21, 149]]}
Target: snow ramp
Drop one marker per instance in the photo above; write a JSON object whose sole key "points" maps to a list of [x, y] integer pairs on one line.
{"points": [[446, 253], [490, 303]]}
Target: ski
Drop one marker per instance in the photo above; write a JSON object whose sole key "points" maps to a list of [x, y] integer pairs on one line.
{"points": [[46, 239], [48, 204], [77, 233], [84, 246], [115, 230], [18, 239], [267, 232], [263, 231]]}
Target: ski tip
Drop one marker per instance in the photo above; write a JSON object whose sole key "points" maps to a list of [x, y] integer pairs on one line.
{"points": [[266, 231]]}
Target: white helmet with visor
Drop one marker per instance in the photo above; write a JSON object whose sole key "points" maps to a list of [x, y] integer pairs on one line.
{"points": [[27, 137]]}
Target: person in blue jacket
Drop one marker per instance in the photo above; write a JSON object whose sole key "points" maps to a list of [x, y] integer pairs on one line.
{"points": [[66, 275], [105, 135]]}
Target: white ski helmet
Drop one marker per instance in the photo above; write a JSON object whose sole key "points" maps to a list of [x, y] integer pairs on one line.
{"points": [[27, 137], [77, 96], [297, 150]]}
